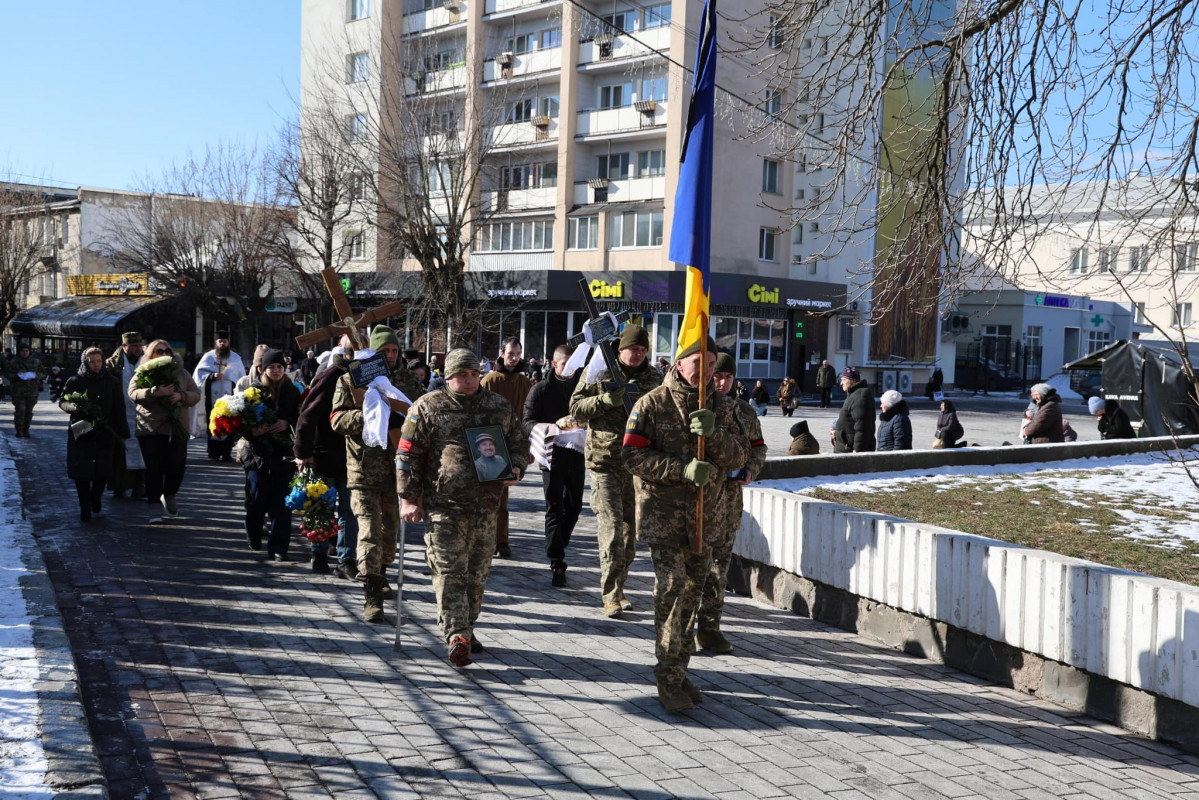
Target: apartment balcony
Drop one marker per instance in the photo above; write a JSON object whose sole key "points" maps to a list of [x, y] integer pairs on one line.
{"points": [[643, 115], [606, 48], [628, 190], [451, 12], [501, 200], [511, 262], [444, 143], [514, 6], [442, 80], [505, 66], [538, 130]]}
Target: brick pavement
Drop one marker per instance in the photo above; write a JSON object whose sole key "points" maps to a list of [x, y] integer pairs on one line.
{"points": [[209, 673]]}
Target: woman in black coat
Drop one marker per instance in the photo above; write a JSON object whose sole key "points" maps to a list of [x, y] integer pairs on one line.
{"points": [[90, 449], [270, 465], [949, 429], [895, 427]]}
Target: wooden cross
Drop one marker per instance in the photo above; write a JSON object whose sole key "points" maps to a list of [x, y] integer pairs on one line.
{"points": [[348, 323]]}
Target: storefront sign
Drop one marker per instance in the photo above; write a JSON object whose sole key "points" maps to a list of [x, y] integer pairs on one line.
{"points": [[132, 284], [601, 290], [761, 294], [282, 305], [807, 302], [1053, 301], [494, 293]]}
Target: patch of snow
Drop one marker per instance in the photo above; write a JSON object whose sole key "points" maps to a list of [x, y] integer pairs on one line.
{"points": [[1061, 382]]}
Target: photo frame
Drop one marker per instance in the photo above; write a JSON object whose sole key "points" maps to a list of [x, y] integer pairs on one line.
{"points": [[494, 466]]}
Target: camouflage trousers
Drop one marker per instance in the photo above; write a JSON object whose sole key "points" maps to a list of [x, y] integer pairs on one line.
{"points": [[378, 514], [679, 575], [22, 414], [615, 509], [711, 604], [458, 548]]}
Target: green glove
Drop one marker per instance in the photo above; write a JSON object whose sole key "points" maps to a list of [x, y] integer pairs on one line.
{"points": [[613, 398], [700, 472], [703, 422]]}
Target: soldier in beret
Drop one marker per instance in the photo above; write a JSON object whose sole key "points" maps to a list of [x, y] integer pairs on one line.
{"points": [[659, 447], [438, 483]]}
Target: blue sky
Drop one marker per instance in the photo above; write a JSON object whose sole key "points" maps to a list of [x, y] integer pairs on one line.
{"points": [[109, 93]]}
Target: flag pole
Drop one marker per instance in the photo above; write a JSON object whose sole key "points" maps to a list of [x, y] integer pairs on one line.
{"points": [[697, 543]]}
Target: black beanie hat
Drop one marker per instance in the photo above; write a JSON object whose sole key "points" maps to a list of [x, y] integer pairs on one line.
{"points": [[272, 357], [799, 427], [726, 363]]}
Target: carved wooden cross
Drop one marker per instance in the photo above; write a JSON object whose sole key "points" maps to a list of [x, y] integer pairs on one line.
{"points": [[348, 323]]}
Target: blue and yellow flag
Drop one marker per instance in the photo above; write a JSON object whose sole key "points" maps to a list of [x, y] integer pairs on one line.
{"points": [[691, 228]]}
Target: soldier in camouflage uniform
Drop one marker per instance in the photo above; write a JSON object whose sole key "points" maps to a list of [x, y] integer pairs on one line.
{"points": [[370, 474], [24, 390], [612, 501], [711, 604], [660, 449], [437, 483]]}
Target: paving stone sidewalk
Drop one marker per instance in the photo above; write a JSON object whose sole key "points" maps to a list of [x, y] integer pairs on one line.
{"points": [[209, 673]]}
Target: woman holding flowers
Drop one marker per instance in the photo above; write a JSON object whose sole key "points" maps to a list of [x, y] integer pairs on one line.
{"points": [[94, 398], [274, 402], [163, 391]]}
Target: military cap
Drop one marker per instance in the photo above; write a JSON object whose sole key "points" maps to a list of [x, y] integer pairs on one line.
{"points": [[460, 360], [694, 348], [131, 337], [633, 336], [726, 363]]}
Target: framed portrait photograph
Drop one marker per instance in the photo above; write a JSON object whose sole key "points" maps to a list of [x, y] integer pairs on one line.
{"points": [[490, 452]]}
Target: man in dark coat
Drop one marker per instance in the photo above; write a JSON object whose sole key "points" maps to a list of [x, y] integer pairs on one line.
{"points": [[826, 379], [1046, 424], [548, 403], [1113, 420], [854, 432], [309, 367], [321, 448]]}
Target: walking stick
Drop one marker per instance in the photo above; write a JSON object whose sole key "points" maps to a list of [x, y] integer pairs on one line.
{"points": [[397, 647]]}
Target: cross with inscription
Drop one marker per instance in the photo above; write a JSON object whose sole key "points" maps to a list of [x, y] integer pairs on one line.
{"points": [[603, 333], [348, 323]]}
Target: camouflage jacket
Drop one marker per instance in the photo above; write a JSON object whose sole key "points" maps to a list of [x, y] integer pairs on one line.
{"points": [[17, 365], [367, 467], [657, 446], [605, 426], [748, 419], [437, 464]]}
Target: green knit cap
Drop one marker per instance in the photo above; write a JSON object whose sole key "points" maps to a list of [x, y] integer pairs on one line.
{"points": [[381, 335], [726, 363]]}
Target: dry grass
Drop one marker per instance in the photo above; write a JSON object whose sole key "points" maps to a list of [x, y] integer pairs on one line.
{"points": [[1038, 516]]}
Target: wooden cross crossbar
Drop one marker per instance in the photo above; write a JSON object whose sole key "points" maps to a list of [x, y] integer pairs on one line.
{"points": [[347, 322], [631, 390]]}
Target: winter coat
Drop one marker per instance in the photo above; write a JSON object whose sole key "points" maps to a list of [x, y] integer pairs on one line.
{"points": [[760, 396], [949, 430], [1115, 424], [156, 415], [804, 445], [826, 377], [855, 423], [308, 370], [315, 437], [512, 385], [549, 400], [21, 387], [367, 467], [605, 426], [1046, 425], [895, 428], [265, 454], [89, 458]]}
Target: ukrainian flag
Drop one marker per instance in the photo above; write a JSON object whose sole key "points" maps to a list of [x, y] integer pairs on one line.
{"points": [[691, 227]]}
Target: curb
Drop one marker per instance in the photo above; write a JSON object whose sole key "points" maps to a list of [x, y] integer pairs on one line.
{"points": [[72, 767]]}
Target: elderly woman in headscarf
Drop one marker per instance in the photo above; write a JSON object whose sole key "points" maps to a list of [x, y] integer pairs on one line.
{"points": [[98, 424]]}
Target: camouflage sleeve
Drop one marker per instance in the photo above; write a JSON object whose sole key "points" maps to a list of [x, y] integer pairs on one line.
{"points": [[584, 402], [728, 446], [518, 443], [412, 458], [346, 416], [640, 455], [757, 445]]}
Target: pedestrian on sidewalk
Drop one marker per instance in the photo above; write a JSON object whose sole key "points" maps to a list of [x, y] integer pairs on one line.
{"points": [[854, 429], [1045, 427], [826, 379], [509, 381], [162, 431], [612, 499], [708, 635], [894, 424], [438, 484], [24, 376], [787, 397], [128, 468], [97, 427], [660, 446], [320, 447], [563, 470], [759, 399], [268, 462]]}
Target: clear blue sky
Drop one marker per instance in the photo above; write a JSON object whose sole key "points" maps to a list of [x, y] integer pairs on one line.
{"points": [[107, 92]]}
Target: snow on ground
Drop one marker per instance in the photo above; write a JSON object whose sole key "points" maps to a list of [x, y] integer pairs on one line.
{"points": [[1061, 382], [22, 759], [1146, 481]]}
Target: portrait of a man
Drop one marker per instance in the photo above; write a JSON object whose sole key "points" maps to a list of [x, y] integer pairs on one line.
{"points": [[491, 461]]}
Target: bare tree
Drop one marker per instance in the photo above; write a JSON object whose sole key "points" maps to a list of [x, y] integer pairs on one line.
{"points": [[209, 231], [25, 250]]}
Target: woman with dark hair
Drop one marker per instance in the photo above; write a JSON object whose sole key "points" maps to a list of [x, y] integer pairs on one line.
{"points": [[759, 398], [949, 429], [98, 425], [269, 464], [162, 431]]}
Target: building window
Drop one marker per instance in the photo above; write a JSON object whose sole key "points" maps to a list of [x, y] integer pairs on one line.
{"points": [[518, 111], [529, 176], [773, 104], [548, 106], [844, 334], [613, 166], [654, 89], [516, 235], [616, 96], [358, 67], [551, 38], [614, 23], [770, 176], [1186, 257], [1180, 316], [356, 186], [774, 39], [1108, 258], [635, 229], [359, 9], [1078, 261], [356, 125], [356, 244], [443, 59], [1138, 314], [657, 16], [766, 237], [1138, 258], [651, 163], [582, 233], [1032, 345], [1097, 340]]}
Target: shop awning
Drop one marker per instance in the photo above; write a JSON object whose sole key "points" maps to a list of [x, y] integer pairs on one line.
{"points": [[79, 317]]}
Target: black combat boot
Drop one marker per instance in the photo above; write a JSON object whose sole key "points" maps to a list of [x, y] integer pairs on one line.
{"points": [[320, 563], [372, 609]]}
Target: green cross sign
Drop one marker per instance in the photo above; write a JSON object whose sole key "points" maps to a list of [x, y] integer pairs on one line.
{"points": [[1096, 320]]}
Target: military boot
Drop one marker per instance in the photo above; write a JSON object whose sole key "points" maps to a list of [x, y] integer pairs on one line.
{"points": [[692, 691], [713, 641], [674, 699], [320, 563], [372, 609]]}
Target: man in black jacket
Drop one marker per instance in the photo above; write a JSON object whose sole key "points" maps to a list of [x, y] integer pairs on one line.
{"points": [[318, 446], [562, 483], [854, 432]]}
